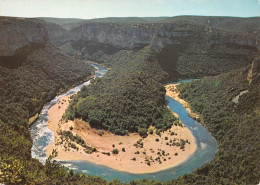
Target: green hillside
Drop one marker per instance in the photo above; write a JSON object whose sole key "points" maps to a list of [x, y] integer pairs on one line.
{"points": [[235, 124], [128, 99]]}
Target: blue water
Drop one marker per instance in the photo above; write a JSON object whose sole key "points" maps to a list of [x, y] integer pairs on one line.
{"points": [[206, 145]]}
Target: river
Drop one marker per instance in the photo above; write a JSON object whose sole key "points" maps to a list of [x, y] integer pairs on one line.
{"points": [[206, 144]]}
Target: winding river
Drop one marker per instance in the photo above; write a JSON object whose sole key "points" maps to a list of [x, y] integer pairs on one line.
{"points": [[206, 145]]}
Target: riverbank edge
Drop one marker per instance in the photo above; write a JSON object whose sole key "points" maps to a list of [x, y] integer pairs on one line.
{"points": [[77, 156], [32, 119], [132, 172], [173, 92]]}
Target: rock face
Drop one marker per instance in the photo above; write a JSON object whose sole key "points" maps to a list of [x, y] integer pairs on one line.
{"points": [[17, 33], [175, 42], [57, 34], [126, 34], [131, 36], [254, 72]]}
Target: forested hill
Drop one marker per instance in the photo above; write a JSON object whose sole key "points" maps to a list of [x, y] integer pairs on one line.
{"points": [[229, 105], [185, 46], [32, 72], [128, 99]]}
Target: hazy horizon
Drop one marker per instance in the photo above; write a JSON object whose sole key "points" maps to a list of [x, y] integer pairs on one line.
{"points": [[92, 9]]}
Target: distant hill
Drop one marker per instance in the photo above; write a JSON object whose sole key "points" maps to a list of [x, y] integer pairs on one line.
{"points": [[127, 20], [66, 23], [235, 24], [61, 21]]}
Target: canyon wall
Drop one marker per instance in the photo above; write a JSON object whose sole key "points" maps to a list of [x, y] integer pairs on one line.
{"points": [[17, 33], [161, 34], [178, 44]]}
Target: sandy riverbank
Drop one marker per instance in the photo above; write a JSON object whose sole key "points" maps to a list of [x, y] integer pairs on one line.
{"points": [[152, 157], [172, 91]]}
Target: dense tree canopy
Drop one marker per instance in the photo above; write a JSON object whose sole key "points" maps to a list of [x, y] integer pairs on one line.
{"points": [[23, 92], [236, 126], [128, 99]]}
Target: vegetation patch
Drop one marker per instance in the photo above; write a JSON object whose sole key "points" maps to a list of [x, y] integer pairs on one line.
{"points": [[77, 139]]}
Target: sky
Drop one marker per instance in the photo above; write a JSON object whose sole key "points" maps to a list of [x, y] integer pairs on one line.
{"points": [[88, 9]]}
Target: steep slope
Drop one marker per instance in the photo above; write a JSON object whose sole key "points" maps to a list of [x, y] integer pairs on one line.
{"points": [[19, 33], [133, 34], [41, 74], [229, 105], [56, 33], [28, 59], [19, 37], [181, 44]]}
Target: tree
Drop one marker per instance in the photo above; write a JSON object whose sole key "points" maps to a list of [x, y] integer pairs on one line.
{"points": [[96, 117]]}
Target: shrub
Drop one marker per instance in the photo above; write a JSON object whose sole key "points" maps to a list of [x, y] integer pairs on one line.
{"points": [[115, 151], [72, 145], [106, 153], [163, 152], [101, 132], [142, 132], [158, 132]]}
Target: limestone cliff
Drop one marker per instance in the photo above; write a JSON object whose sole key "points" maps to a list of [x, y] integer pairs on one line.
{"points": [[254, 72], [159, 34], [17, 33]]}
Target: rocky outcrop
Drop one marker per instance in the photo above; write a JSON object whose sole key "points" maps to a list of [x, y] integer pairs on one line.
{"points": [[127, 36], [125, 33], [131, 36], [254, 72], [17, 33], [56, 33]]}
